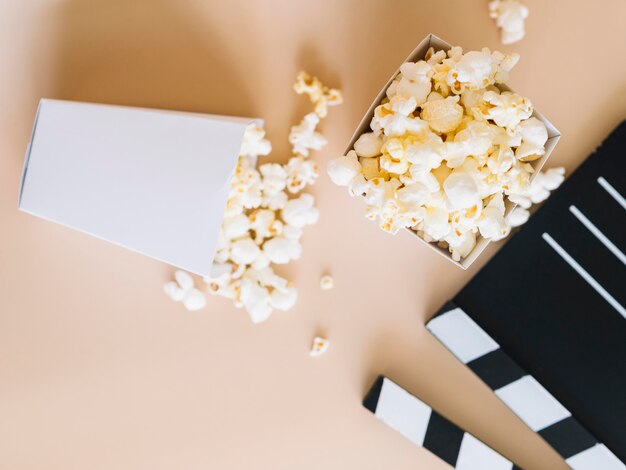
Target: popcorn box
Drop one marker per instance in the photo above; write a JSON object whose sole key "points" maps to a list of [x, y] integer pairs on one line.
{"points": [[419, 53], [153, 181]]}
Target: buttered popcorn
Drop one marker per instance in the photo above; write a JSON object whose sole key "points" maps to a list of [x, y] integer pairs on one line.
{"points": [[264, 218], [447, 149]]}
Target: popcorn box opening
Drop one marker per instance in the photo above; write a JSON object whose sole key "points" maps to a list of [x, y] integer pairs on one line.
{"points": [[150, 180], [418, 54]]}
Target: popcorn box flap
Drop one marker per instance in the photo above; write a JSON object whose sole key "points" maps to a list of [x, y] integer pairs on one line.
{"points": [[150, 180], [364, 126]]}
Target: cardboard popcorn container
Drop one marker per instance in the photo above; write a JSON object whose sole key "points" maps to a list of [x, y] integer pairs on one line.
{"points": [[150, 180], [419, 53]]}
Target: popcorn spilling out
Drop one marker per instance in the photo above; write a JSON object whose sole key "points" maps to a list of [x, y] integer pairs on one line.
{"points": [[510, 16], [327, 282], [447, 150], [264, 218], [319, 346]]}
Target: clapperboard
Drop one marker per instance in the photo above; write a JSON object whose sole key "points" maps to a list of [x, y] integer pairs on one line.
{"points": [[423, 426], [544, 322]]}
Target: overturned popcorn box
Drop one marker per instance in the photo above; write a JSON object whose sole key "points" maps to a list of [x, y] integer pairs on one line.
{"points": [[153, 181], [438, 44]]}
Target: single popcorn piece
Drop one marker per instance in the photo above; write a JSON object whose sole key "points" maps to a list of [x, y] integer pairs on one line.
{"points": [[461, 190], [447, 150], [442, 114], [319, 346], [368, 145], [300, 173], [534, 136], [413, 82], [300, 212], [304, 137], [510, 16], [506, 109], [347, 171], [183, 290], [254, 143], [327, 282], [319, 94]]}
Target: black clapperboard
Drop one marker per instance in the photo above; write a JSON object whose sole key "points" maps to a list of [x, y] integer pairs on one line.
{"points": [[544, 322]]}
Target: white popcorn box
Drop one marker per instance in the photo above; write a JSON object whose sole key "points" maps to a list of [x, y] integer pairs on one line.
{"points": [[419, 53], [150, 180]]}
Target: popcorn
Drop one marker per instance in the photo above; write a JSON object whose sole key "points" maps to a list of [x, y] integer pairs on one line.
{"points": [[413, 82], [539, 190], [274, 178], [264, 217], [396, 117], [479, 69], [327, 282], [300, 173], [254, 143], [256, 300], [319, 94], [284, 299], [347, 171], [447, 150], [264, 224], [244, 251], [461, 190], [442, 114], [491, 223], [235, 226], [517, 217], [506, 109], [534, 136], [319, 347], [304, 136], [183, 290], [510, 16], [281, 250], [300, 212], [368, 145]]}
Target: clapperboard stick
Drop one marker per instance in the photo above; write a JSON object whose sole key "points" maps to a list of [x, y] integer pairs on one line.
{"points": [[423, 426], [526, 397]]}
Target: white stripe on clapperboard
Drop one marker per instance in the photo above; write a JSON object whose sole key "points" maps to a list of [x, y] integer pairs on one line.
{"points": [[600, 236], [410, 416], [598, 233], [612, 191]]}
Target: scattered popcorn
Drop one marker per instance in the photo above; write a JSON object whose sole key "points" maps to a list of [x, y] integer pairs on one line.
{"points": [[264, 217], [304, 136], [327, 282], [510, 16], [183, 290], [448, 150], [319, 347], [300, 212], [319, 94]]}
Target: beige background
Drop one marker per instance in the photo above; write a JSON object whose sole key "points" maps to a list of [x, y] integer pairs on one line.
{"points": [[99, 370]]}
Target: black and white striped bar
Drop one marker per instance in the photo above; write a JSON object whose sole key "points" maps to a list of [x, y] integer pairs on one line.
{"points": [[423, 426], [526, 397]]}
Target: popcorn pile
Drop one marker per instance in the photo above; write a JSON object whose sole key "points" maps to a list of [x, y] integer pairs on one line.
{"points": [[510, 16], [265, 216], [446, 148]]}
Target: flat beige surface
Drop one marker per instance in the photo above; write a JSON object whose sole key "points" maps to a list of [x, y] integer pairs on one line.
{"points": [[98, 370]]}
